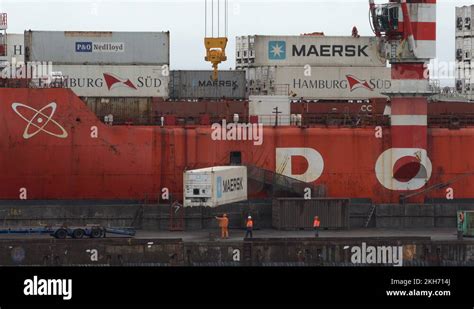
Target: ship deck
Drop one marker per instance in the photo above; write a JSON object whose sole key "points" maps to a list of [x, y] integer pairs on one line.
{"points": [[443, 234]]}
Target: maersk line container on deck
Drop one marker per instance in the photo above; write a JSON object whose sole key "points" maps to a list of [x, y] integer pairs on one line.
{"points": [[302, 50], [215, 186], [200, 85], [83, 47]]}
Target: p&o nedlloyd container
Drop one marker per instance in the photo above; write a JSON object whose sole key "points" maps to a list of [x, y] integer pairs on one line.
{"points": [[80, 47], [258, 50], [215, 186]]}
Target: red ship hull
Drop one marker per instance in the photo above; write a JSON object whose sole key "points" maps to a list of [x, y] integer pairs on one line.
{"points": [[96, 161]]}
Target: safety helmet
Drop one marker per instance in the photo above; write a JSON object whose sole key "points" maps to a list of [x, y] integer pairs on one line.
{"points": [[250, 217]]}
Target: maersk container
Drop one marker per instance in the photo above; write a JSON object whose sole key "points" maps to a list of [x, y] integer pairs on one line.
{"points": [[330, 51], [116, 48], [115, 81], [200, 85], [215, 186], [331, 83]]}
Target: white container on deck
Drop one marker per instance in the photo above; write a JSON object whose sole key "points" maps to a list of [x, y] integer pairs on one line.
{"points": [[83, 47], [266, 108], [330, 83], [115, 81], [215, 186], [301, 50]]}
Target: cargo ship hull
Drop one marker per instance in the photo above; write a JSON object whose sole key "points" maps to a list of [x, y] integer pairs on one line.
{"points": [[53, 147]]}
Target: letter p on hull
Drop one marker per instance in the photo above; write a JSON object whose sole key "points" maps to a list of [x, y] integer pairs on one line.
{"points": [[313, 157]]}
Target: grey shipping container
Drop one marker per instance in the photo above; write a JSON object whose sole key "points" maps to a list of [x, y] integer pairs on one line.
{"points": [[200, 85], [298, 213], [80, 47]]}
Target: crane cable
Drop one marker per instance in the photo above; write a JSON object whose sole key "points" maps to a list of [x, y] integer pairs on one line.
{"points": [[226, 18]]}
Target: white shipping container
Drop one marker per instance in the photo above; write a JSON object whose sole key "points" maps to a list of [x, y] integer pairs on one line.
{"points": [[459, 55], [15, 53], [459, 42], [126, 48], [115, 81], [16, 47], [215, 186], [332, 83], [464, 19], [312, 50], [264, 107]]}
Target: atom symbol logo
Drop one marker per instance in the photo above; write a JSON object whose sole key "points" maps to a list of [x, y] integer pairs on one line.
{"points": [[40, 120]]}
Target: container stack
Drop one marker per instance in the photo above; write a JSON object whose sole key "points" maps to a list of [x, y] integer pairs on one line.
{"points": [[464, 51], [313, 67], [114, 72]]}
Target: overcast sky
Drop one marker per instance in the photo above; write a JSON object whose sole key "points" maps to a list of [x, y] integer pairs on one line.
{"points": [[185, 21]]}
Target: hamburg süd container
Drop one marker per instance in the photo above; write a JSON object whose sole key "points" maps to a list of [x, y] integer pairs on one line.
{"points": [[81, 47], [115, 81], [200, 85], [215, 186], [345, 83]]}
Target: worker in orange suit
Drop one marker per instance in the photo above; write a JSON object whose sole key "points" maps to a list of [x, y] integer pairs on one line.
{"points": [[224, 225], [249, 226], [316, 225]]}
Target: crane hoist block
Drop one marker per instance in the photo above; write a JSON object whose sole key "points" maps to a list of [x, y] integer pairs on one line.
{"points": [[215, 52]]}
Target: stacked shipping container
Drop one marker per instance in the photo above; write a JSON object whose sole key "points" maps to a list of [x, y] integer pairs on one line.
{"points": [[197, 85], [99, 66], [313, 67], [464, 51]]}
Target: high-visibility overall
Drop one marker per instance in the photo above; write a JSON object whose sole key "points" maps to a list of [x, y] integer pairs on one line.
{"points": [[249, 229], [316, 226], [224, 225]]}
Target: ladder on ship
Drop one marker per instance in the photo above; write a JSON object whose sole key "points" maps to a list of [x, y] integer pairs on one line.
{"points": [[369, 217]]}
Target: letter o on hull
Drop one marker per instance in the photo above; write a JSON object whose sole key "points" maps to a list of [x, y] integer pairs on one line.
{"points": [[384, 169]]}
